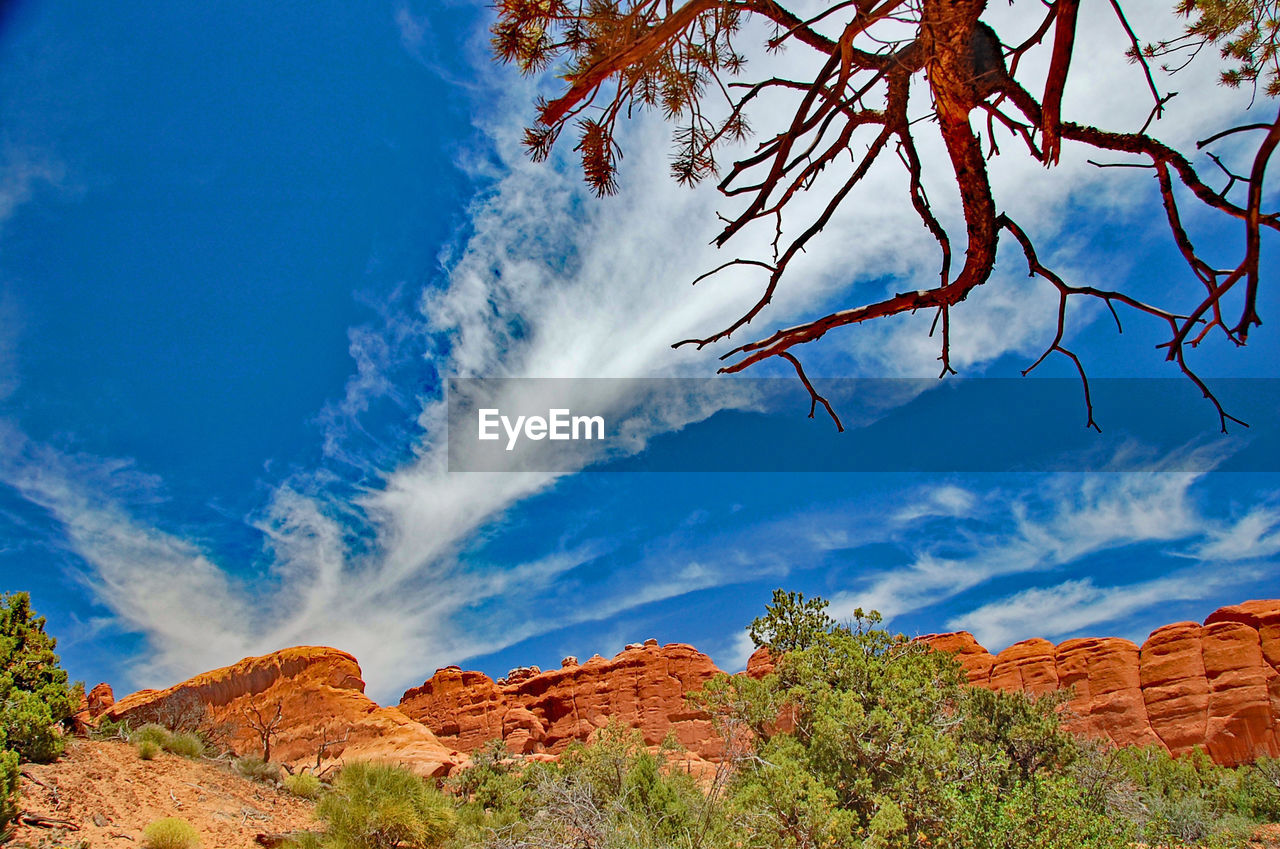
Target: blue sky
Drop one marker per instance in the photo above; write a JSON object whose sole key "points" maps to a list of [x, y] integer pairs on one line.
{"points": [[241, 247]]}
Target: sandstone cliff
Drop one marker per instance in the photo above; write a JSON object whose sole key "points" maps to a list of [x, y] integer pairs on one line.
{"points": [[1215, 685], [320, 697], [535, 711]]}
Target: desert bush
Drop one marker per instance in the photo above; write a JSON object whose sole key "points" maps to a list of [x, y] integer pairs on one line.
{"points": [[494, 790], [256, 769], [111, 729], [884, 745], [381, 806], [611, 793], [151, 733], [185, 713], [148, 750], [303, 784], [35, 697], [305, 840], [1186, 800], [1265, 785], [9, 779], [187, 744], [170, 833], [31, 727]]}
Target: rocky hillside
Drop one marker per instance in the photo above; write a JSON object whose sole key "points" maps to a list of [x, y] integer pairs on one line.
{"points": [[534, 711], [309, 697], [1215, 685], [106, 795]]}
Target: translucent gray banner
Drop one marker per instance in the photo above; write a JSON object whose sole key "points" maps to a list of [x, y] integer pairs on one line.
{"points": [[558, 425]]}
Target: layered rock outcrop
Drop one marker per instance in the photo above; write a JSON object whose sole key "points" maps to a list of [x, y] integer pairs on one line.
{"points": [[760, 664], [319, 697], [1215, 685], [92, 705], [642, 687]]}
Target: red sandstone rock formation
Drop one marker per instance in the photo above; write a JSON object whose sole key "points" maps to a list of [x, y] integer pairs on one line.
{"points": [[974, 658], [321, 698], [92, 705], [760, 663], [99, 700], [643, 687], [1216, 686]]}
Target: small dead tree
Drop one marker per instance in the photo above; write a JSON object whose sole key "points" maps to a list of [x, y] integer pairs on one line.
{"points": [[263, 720], [327, 742]]}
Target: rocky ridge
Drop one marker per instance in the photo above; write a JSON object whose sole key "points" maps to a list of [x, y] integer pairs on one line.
{"points": [[319, 697], [1215, 685], [643, 687]]}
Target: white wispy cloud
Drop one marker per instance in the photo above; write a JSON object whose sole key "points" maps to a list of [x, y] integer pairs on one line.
{"points": [[1255, 535], [22, 173], [943, 500], [1072, 606], [1052, 524], [1059, 520]]}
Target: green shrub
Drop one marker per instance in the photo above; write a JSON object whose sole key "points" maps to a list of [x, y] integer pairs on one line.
{"points": [[30, 727], [187, 744], [883, 745], [613, 792], [9, 780], [381, 806], [170, 833], [303, 784], [256, 769], [1264, 788], [305, 840], [34, 694], [111, 729], [151, 733], [1186, 800], [148, 750]]}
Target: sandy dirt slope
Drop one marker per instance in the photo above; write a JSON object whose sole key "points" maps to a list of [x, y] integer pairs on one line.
{"points": [[1267, 837], [111, 795]]}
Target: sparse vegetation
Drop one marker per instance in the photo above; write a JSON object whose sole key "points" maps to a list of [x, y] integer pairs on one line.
{"points": [[170, 833], [183, 713], [612, 793], [859, 739], [111, 729], [187, 744], [256, 769], [264, 720], [303, 784], [150, 733], [381, 806], [35, 698], [155, 737], [8, 790]]}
